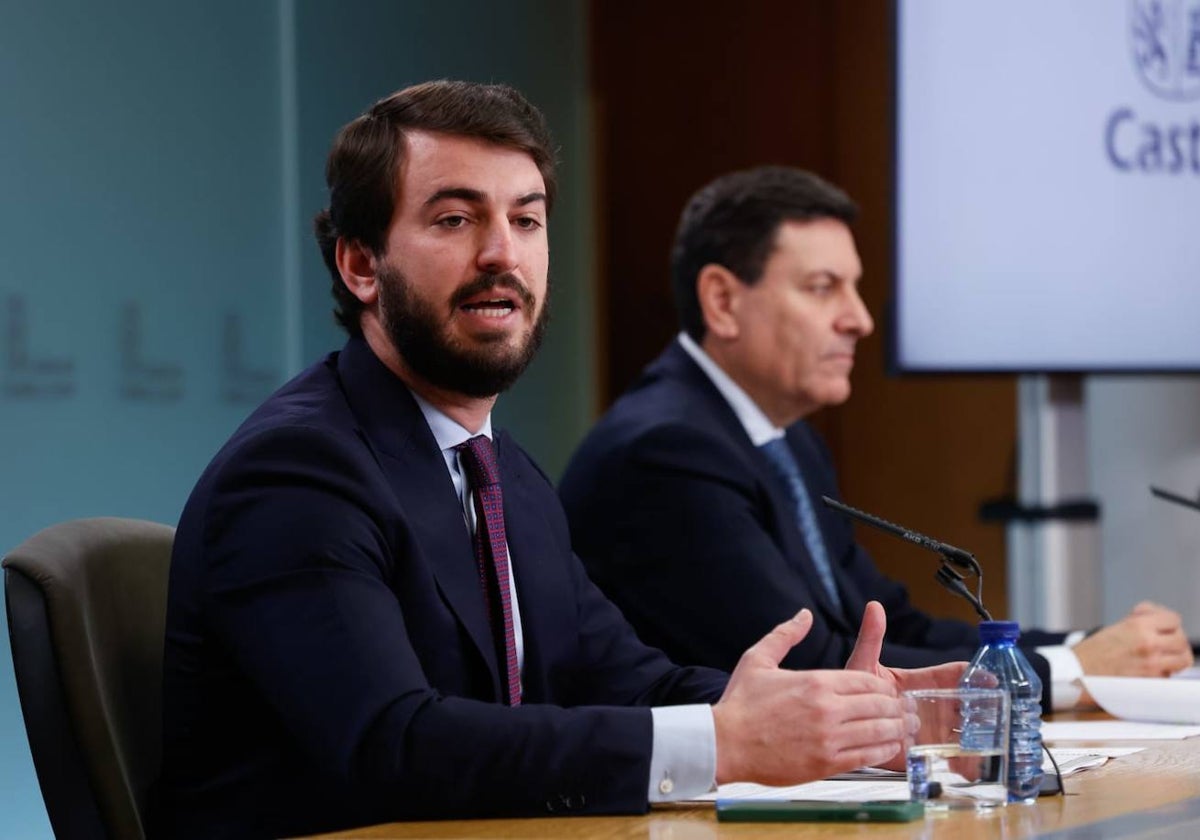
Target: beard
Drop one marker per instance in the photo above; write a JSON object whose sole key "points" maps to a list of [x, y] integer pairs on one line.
{"points": [[418, 333]]}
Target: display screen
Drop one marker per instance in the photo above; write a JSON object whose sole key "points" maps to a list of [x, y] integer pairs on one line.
{"points": [[1048, 186]]}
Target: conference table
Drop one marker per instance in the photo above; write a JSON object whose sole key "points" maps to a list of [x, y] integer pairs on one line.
{"points": [[1152, 793]]}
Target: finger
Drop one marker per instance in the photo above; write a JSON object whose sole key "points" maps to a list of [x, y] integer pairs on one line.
{"points": [[810, 684], [935, 676], [1187, 654], [948, 675], [1149, 607], [1176, 661], [871, 756], [1147, 625], [860, 734], [1174, 642], [851, 683], [1161, 659], [865, 656], [860, 708], [771, 648], [1163, 621]]}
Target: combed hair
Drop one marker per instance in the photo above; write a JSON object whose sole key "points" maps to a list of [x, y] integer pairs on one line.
{"points": [[733, 222], [362, 171]]}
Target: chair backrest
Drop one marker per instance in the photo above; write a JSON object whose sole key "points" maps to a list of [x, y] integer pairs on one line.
{"points": [[86, 604]]}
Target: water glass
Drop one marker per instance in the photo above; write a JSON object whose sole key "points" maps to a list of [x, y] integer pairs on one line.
{"points": [[958, 756]]}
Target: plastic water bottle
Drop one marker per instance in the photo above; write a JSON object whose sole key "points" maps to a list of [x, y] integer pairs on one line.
{"points": [[999, 663]]}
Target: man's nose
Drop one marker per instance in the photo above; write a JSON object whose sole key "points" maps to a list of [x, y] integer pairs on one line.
{"points": [[856, 319], [497, 252]]}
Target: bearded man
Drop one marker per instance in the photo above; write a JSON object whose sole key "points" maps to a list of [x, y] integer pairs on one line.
{"points": [[374, 612]]}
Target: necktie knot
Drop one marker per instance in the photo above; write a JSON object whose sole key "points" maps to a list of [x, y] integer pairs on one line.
{"points": [[782, 460], [479, 459]]}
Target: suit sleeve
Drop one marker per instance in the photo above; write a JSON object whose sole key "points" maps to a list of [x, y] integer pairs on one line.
{"points": [[300, 563]]}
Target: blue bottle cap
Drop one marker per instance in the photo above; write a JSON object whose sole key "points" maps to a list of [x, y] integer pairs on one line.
{"points": [[999, 631]]}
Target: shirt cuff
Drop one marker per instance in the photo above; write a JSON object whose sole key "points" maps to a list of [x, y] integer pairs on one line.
{"points": [[683, 757], [1065, 672]]}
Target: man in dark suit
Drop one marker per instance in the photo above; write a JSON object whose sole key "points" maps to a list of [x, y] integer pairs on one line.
{"points": [[374, 612], [695, 501]]}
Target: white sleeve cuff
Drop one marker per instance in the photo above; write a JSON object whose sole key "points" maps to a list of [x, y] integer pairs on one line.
{"points": [[1075, 637], [1065, 672], [683, 757]]}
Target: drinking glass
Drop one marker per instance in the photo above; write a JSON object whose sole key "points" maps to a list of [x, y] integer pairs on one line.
{"points": [[958, 755]]}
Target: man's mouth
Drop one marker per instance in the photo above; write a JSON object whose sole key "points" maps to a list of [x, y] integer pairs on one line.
{"points": [[493, 296], [490, 307], [840, 356]]}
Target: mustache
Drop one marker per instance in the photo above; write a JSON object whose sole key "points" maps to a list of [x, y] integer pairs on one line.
{"points": [[487, 282]]}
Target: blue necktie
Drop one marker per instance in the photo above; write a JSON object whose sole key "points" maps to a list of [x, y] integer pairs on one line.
{"points": [[785, 466]]}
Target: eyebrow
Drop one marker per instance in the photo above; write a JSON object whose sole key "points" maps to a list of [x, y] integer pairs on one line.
{"points": [[531, 198], [835, 276], [478, 196]]}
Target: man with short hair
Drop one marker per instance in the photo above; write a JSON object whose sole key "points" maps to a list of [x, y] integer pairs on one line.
{"points": [[374, 612], [695, 501]]}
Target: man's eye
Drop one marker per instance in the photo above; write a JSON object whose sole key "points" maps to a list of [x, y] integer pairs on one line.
{"points": [[528, 223], [452, 221]]}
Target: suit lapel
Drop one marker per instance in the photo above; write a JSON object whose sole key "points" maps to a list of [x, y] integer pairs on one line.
{"points": [[392, 425], [676, 363], [419, 479]]}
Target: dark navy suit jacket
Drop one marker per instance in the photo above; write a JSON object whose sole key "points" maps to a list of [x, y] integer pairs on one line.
{"points": [[681, 521], [329, 661]]}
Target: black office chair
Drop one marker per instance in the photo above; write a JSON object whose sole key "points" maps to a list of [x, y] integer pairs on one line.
{"points": [[86, 604]]}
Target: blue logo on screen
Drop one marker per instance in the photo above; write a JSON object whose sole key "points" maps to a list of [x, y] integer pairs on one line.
{"points": [[1165, 39], [1165, 36]]}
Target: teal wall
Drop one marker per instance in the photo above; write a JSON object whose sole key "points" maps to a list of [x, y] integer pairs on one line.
{"points": [[159, 165]]}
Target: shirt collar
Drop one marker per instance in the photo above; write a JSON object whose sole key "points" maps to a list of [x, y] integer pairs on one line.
{"points": [[759, 429], [447, 432]]}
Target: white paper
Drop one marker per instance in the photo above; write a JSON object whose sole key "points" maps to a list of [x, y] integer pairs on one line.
{"points": [[874, 784], [1115, 730], [824, 790], [1071, 761]]}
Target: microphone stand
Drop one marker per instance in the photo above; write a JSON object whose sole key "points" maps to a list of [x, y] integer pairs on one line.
{"points": [[947, 575]]}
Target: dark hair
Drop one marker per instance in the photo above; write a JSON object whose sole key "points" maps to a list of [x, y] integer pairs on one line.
{"points": [[364, 162], [733, 222]]}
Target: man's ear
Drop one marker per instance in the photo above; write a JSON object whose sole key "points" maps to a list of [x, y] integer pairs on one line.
{"points": [[718, 291], [357, 265]]}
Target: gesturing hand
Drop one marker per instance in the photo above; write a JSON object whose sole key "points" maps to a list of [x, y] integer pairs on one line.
{"points": [[778, 726], [865, 657]]}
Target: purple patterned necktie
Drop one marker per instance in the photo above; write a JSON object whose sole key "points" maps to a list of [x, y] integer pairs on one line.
{"points": [[491, 548]]}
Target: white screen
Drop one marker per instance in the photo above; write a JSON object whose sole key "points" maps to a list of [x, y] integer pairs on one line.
{"points": [[1048, 185]]}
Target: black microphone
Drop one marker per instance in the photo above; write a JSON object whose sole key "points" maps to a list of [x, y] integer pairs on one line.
{"points": [[965, 560], [950, 555], [1175, 497]]}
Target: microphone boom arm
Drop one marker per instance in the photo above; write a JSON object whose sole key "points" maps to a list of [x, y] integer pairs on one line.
{"points": [[951, 555]]}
